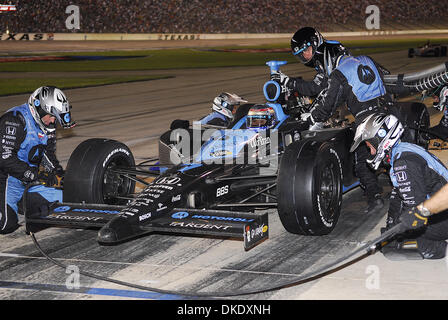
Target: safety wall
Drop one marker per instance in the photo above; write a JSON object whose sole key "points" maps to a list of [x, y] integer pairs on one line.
{"points": [[194, 36]]}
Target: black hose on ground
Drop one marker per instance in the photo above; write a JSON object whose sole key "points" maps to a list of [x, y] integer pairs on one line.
{"points": [[369, 248], [357, 255]]}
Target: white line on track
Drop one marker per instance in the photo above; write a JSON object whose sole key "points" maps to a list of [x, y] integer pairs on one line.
{"points": [[20, 256]]}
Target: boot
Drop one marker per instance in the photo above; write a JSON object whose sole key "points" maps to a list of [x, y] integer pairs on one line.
{"points": [[374, 204], [402, 250], [415, 249]]}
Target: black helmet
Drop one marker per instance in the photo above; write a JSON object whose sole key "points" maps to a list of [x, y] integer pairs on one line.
{"points": [[325, 54], [303, 39]]}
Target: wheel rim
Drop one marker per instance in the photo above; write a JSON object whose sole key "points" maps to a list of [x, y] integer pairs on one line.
{"points": [[116, 188], [328, 191], [422, 137]]}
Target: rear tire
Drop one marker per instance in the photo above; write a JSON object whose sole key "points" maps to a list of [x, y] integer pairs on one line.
{"points": [[88, 177], [416, 116], [309, 188]]}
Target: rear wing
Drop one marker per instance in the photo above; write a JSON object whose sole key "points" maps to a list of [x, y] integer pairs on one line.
{"points": [[252, 228]]}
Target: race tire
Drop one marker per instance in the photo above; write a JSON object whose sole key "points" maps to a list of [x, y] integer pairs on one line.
{"points": [[416, 116], [87, 177], [309, 188], [410, 53]]}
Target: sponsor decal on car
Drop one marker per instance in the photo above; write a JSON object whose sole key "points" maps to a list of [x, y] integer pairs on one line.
{"points": [[161, 207], [184, 214], [199, 225], [77, 218], [220, 153], [170, 180], [180, 215], [255, 232], [64, 209], [233, 219], [259, 141], [222, 191], [144, 216]]}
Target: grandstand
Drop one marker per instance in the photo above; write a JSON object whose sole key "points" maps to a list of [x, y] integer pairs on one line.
{"points": [[221, 16]]}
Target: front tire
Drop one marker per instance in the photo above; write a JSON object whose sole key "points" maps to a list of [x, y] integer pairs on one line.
{"points": [[310, 188], [89, 177]]}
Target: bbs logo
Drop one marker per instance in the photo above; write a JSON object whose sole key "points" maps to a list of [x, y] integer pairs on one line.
{"points": [[222, 191]]}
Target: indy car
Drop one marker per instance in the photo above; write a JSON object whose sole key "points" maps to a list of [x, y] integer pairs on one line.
{"points": [[428, 50], [224, 187]]}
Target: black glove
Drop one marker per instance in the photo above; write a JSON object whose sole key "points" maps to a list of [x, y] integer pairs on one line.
{"points": [[281, 78], [54, 178], [29, 175], [413, 219]]}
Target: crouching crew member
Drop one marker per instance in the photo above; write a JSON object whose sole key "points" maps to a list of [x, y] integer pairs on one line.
{"points": [[416, 176], [29, 141]]}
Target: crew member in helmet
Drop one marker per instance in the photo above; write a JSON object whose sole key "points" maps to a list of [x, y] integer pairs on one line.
{"points": [[441, 104], [416, 176], [310, 47], [341, 78], [29, 141], [223, 109]]}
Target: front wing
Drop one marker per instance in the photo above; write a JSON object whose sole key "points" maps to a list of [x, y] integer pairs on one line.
{"points": [[251, 227]]}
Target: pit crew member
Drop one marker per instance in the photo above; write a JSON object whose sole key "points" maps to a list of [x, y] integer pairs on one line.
{"points": [[416, 175], [29, 141]]}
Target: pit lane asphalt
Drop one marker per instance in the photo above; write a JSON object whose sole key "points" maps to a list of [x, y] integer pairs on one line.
{"points": [[136, 114]]}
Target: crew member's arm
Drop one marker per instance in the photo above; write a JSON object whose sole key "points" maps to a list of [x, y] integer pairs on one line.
{"points": [[328, 100], [409, 174], [12, 131], [308, 88], [438, 202], [50, 161]]}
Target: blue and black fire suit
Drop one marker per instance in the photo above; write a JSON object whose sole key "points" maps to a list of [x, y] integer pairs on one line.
{"points": [[416, 175], [357, 81], [23, 147]]}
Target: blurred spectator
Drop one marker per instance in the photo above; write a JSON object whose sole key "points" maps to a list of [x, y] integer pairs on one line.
{"points": [[220, 16]]}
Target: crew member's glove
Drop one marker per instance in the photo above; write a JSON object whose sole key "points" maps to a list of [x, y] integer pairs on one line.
{"points": [[29, 175], [281, 78], [442, 100], [307, 117], [54, 178], [413, 219]]}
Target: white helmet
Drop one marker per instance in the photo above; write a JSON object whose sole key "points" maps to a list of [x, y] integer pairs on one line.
{"points": [[50, 100], [224, 103], [382, 131]]}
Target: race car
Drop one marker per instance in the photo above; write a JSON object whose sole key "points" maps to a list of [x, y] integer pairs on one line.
{"points": [[216, 183], [428, 50]]}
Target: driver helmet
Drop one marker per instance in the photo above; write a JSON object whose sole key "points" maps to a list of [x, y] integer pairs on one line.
{"points": [[225, 102], [382, 132], [50, 100], [261, 116]]}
